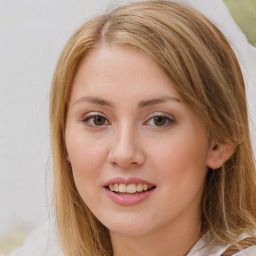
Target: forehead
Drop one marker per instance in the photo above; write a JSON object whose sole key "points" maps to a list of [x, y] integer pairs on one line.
{"points": [[118, 71]]}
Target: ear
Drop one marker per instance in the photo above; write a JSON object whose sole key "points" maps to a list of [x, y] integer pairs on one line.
{"points": [[219, 153]]}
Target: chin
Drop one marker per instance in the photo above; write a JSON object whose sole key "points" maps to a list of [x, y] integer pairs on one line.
{"points": [[130, 231], [129, 226]]}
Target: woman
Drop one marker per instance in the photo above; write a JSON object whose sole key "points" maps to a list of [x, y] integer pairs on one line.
{"points": [[150, 137]]}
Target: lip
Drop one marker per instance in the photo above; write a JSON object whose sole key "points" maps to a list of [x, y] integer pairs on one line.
{"points": [[131, 180], [128, 199]]}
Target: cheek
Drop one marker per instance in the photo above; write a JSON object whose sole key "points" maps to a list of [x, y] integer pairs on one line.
{"points": [[86, 159], [181, 157], [181, 165], [87, 155], [83, 148]]}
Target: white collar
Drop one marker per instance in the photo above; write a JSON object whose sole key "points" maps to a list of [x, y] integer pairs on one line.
{"points": [[199, 249]]}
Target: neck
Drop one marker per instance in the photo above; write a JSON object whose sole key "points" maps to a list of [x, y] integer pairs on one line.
{"points": [[166, 241]]}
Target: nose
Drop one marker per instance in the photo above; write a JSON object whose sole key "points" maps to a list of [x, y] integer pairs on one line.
{"points": [[125, 151]]}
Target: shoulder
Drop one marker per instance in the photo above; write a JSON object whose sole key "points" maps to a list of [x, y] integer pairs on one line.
{"points": [[40, 242], [201, 248], [250, 251]]}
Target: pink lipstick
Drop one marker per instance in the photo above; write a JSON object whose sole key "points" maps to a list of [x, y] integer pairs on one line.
{"points": [[128, 192]]}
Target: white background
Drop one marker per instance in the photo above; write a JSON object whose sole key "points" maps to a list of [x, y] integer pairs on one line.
{"points": [[32, 35]]}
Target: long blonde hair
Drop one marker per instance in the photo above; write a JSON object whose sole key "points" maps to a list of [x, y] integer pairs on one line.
{"points": [[201, 65]]}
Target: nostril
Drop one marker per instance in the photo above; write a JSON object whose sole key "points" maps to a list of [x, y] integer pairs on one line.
{"points": [[131, 159], [125, 150]]}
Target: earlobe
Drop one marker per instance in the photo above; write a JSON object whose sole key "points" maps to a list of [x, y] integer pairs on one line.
{"points": [[219, 153]]}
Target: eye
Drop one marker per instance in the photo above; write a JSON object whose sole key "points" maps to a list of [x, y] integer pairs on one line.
{"points": [[160, 121], [95, 120]]}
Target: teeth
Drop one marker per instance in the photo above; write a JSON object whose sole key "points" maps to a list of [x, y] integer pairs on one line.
{"points": [[122, 188], [145, 187], [130, 189], [116, 187], [139, 187]]}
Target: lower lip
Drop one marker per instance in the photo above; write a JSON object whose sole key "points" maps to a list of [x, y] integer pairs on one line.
{"points": [[128, 200]]}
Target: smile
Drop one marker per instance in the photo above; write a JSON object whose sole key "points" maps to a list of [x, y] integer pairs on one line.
{"points": [[130, 188], [128, 192]]}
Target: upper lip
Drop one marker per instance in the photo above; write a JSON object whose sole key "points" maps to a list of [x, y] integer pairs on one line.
{"points": [[127, 181]]}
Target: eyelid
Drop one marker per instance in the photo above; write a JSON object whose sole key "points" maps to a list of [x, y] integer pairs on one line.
{"points": [[92, 114], [168, 116], [164, 114]]}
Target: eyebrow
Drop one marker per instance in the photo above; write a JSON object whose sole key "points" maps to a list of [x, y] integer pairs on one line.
{"points": [[157, 101], [94, 100], [144, 103]]}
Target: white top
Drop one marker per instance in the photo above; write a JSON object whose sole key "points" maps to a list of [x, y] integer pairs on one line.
{"points": [[200, 250], [43, 242]]}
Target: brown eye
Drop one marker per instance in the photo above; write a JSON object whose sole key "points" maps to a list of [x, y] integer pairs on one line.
{"points": [[99, 120], [160, 120], [95, 120]]}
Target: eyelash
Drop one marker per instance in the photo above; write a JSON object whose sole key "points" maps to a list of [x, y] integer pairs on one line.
{"points": [[167, 120], [92, 117]]}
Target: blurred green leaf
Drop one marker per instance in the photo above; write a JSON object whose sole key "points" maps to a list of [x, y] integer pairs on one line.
{"points": [[244, 13], [11, 242]]}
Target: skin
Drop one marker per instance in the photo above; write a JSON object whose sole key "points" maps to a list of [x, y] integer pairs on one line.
{"points": [[130, 143]]}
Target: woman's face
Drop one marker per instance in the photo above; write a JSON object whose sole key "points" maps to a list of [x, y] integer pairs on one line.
{"points": [[129, 131]]}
